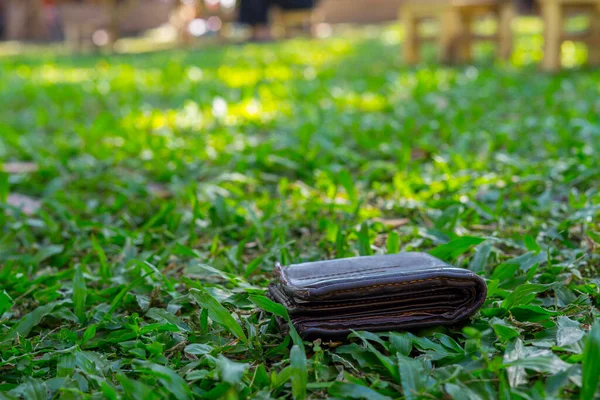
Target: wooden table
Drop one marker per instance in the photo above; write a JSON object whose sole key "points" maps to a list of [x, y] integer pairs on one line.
{"points": [[553, 14], [455, 37]]}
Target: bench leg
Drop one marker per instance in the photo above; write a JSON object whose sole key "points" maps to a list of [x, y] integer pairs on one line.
{"points": [[594, 45], [73, 36], [463, 43], [552, 15], [505, 35], [450, 30], [410, 48]]}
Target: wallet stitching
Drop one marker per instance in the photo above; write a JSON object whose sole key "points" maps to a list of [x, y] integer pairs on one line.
{"points": [[347, 273], [393, 284]]}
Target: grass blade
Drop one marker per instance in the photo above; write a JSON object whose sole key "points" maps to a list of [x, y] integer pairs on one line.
{"points": [[299, 373], [79, 294], [591, 364], [104, 269], [218, 313]]}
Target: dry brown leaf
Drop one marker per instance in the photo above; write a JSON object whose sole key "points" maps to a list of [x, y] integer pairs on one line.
{"points": [[393, 222], [380, 240], [590, 243], [418, 154], [27, 204], [18, 167], [158, 190], [478, 227]]}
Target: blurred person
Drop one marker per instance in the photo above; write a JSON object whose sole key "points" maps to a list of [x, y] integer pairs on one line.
{"points": [[2, 19], [256, 14]]}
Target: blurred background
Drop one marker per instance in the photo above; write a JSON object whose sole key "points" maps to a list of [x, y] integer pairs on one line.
{"points": [[101, 22]]}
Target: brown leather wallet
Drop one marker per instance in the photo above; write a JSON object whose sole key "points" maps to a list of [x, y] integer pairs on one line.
{"points": [[329, 299]]}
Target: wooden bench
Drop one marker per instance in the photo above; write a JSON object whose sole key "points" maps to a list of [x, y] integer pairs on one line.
{"points": [[284, 22], [455, 17], [358, 11], [82, 20], [288, 22], [554, 13]]}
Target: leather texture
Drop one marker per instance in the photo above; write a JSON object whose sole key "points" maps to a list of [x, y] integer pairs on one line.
{"points": [[329, 299]]}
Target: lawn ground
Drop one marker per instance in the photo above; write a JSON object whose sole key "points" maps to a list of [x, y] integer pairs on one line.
{"points": [[157, 186]]}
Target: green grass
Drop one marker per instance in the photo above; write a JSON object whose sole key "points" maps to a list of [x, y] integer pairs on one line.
{"points": [[170, 183]]}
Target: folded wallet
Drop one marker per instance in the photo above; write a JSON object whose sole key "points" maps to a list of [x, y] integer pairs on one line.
{"points": [[329, 299]]}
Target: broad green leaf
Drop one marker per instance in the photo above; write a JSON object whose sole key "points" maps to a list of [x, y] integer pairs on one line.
{"points": [[460, 391], [199, 349], [519, 358], [541, 361], [119, 297], [5, 302], [137, 390], [385, 361], [222, 390], [524, 294], [528, 260], [299, 372], [218, 313], [29, 321], [569, 332], [531, 244], [413, 376], [448, 342], [109, 391], [455, 248], [434, 351], [369, 336], [279, 379], [400, 343], [591, 363], [231, 371], [595, 236], [170, 380], [505, 271], [503, 330], [160, 314], [66, 365], [482, 254], [559, 381], [532, 313], [31, 389], [261, 377], [344, 390], [89, 334], [252, 266], [359, 354], [516, 374], [446, 222], [48, 251], [270, 306]]}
